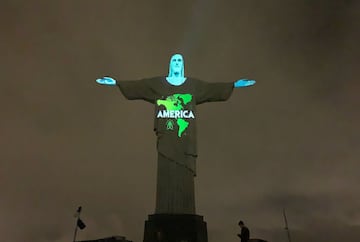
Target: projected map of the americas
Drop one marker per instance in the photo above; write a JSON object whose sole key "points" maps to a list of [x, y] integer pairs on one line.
{"points": [[174, 108]]}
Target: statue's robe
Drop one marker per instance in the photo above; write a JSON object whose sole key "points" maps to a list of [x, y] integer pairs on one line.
{"points": [[175, 128]]}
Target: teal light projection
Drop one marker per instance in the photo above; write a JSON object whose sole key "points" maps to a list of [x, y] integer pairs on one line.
{"points": [[244, 83], [176, 75], [106, 81]]}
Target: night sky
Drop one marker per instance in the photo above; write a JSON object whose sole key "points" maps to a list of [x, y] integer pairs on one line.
{"points": [[292, 141]]}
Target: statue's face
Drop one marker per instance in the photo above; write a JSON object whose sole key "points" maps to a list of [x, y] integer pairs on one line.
{"points": [[176, 63]]}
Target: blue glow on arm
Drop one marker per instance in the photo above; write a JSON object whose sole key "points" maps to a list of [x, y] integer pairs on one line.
{"points": [[244, 83], [106, 81]]}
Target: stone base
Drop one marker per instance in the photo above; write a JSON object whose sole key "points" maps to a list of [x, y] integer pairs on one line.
{"points": [[175, 228], [109, 239]]}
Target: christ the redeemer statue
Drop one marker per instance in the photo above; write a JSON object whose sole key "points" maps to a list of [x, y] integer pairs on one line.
{"points": [[175, 98]]}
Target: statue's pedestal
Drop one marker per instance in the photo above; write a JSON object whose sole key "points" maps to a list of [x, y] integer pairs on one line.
{"points": [[175, 228]]}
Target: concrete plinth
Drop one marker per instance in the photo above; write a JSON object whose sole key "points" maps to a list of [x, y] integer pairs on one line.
{"points": [[175, 228]]}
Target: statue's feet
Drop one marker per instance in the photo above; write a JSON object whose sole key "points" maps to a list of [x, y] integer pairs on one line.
{"points": [[106, 81]]}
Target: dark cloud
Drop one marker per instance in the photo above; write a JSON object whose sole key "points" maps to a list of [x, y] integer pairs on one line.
{"points": [[290, 142]]}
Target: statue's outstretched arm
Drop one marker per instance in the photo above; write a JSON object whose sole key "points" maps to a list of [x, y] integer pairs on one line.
{"points": [[106, 81], [132, 90], [244, 83]]}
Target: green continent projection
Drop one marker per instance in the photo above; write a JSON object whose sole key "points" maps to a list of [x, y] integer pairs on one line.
{"points": [[176, 102], [183, 124]]}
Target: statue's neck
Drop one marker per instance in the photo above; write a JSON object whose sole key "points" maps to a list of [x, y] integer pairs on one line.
{"points": [[176, 81]]}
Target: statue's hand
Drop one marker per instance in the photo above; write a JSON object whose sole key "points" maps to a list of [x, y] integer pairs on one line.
{"points": [[244, 83], [106, 81]]}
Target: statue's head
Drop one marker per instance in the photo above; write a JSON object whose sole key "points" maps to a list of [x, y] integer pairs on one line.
{"points": [[176, 66]]}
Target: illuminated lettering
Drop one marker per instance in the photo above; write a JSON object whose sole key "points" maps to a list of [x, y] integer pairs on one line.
{"points": [[171, 114], [175, 114], [191, 115]]}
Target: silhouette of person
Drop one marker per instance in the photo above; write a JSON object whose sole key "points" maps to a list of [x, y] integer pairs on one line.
{"points": [[245, 233]]}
